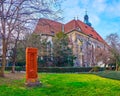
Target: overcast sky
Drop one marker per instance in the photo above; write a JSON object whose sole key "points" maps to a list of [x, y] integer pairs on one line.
{"points": [[103, 14]]}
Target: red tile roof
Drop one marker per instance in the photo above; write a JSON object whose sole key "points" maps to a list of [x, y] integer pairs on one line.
{"points": [[46, 26], [89, 31], [49, 27], [72, 25]]}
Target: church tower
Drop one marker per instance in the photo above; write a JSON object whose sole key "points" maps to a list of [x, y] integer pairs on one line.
{"points": [[86, 19]]}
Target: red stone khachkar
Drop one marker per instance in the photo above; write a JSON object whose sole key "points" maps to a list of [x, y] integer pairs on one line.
{"points": [[31, 67]]}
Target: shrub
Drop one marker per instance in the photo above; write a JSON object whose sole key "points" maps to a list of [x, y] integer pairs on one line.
{"points": [[96, 68], [18, 68], [8, 68]]}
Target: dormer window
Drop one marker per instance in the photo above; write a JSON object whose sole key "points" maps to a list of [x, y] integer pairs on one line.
{"points": [[85, 26], [78, 29]]}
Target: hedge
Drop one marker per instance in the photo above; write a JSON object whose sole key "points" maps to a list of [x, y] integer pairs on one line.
{"points": [[58, 69], [17, 68]]}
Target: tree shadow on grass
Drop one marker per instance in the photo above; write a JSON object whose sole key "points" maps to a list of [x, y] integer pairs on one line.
{"points": [[109, 74]]}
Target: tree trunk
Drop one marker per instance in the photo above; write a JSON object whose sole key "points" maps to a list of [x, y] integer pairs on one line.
{"points": [[105, 66], [13, 68], [3, 59], [14, 62], [15, 53], [3, 67], [117, 67]]}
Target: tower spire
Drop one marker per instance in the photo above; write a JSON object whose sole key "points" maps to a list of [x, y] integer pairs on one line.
{"points": [[86, 19]]}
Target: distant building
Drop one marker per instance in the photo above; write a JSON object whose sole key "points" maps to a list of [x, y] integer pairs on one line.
{"points": [[83, 38]]}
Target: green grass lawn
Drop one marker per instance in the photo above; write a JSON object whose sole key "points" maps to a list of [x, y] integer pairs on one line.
{"points": [[61, 85]]}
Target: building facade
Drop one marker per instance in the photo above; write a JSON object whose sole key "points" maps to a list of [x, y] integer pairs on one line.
{"points": [[83, 39]]}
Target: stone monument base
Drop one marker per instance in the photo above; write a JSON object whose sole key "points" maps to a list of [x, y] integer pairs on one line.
{"points": [[33, 83]]}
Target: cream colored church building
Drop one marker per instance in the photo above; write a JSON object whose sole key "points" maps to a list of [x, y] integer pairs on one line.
{"points": [[83, 39]]}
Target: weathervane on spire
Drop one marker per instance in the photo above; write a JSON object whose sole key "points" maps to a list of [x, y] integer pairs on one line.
{"points": [[86, 11]]}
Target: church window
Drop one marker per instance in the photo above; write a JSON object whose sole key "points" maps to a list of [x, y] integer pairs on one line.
{"points": [[52, 32], [98, 46], [90, 35]]}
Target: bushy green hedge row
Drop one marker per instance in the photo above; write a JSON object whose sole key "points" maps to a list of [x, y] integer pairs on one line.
{"points": [[8, 68], [17, 68], [67, 69], [60, 69], [64, 69]]}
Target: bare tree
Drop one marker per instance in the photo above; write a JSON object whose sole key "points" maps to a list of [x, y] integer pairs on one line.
{"points": [[14, 44], [14, 13], [102, 56], [114, 43]]}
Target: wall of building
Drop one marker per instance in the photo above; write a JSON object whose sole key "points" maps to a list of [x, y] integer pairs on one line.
{"points": [[84, 48]]}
